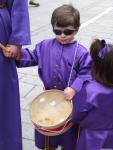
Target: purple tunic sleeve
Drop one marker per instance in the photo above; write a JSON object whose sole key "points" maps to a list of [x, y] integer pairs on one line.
{"points": [[30, 58], [84, 71], [81, 105], [20, 34]]}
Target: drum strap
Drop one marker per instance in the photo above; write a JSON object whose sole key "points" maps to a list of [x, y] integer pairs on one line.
{"points": [[73, 64], [78, 134], [46, 143]]}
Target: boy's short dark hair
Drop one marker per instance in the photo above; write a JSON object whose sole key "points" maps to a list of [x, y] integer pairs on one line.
{"points": [[102, 70], [65, 15]]}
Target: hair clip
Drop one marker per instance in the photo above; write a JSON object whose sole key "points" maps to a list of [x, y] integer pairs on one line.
{"points": [[104, 50]]}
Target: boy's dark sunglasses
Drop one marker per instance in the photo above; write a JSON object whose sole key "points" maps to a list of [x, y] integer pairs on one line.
{"points": [[66, 32]]}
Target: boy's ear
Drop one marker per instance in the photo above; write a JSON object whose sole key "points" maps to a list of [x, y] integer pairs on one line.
{"points": [[78, 28]]}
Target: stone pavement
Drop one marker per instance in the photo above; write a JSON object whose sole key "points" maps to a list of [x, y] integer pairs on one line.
{"points": [[96, 20]]}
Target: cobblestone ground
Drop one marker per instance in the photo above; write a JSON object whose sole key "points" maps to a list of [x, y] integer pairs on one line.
{"points": [[96, 21]]}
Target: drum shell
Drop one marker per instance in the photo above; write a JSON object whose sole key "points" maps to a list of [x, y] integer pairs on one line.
{"points": [[55, 129]]}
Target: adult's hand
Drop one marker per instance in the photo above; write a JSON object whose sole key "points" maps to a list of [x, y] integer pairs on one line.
{"points": [[13, 51]]}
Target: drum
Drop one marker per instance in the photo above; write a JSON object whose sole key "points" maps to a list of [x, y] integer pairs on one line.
{"points": [[50, 113]]}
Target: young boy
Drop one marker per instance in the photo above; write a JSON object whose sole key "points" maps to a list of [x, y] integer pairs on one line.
{"points": [[63, 64]]}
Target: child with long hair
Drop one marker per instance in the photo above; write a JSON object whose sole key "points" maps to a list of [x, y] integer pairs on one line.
{"points": [[93, 105]]}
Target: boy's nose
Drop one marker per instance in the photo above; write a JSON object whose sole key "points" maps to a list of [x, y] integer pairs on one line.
{"points": [[62, 34]]}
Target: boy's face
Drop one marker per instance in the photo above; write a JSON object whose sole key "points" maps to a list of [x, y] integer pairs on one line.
{"points": [[65, 34]]}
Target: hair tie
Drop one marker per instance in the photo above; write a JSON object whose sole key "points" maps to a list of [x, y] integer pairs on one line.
{"points": [[104, 50]]}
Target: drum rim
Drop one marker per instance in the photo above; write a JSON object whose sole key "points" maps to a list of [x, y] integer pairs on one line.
{"points": [[54, 126], [50, 133]]}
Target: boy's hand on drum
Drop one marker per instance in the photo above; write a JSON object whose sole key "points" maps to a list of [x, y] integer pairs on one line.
{"points": [[69, 93]]}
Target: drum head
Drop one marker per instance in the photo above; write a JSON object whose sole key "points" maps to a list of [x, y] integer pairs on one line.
{"points": [[49, 109]]}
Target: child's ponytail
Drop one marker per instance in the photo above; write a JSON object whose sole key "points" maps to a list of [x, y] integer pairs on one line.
{"points": [[102, 56], [95, 47]]}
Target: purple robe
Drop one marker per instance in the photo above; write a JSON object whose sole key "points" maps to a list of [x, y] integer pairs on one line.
{"points": [[14, 29], [93, 110], [54, 62]]}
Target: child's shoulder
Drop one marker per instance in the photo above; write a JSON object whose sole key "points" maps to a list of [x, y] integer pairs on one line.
{"points": [[93, 91], [95, 87], [47, 41], [82, 48]]}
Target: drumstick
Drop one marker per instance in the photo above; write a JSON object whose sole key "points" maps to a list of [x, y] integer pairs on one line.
{"points": [[3, 47]]}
